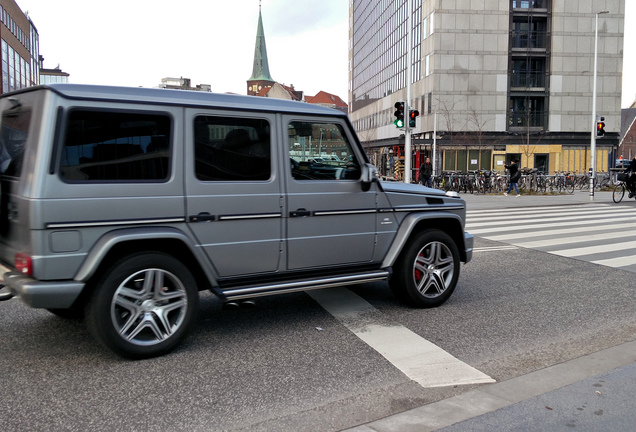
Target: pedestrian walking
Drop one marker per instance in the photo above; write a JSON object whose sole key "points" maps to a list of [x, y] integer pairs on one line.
{"points": [[426, 171], [515, 175]]}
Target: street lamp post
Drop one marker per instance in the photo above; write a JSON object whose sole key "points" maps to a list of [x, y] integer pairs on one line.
{"points": [[407, 105], [593, 135]]}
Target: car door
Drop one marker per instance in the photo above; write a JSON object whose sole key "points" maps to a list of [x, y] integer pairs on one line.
{"points": [[233, 192], [331, 220]]}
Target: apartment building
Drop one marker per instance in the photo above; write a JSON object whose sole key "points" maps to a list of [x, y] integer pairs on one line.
{"points": [[493, 80], [19, 48]]}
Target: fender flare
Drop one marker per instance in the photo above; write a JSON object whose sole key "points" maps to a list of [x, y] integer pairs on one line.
{"points": [[408, 226], [108, 241]]}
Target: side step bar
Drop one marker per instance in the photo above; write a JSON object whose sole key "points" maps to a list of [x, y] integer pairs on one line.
{"points": [[252, 291]]}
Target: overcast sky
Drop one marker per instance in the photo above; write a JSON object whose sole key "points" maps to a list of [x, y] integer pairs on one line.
{"points": [[139, 42]]}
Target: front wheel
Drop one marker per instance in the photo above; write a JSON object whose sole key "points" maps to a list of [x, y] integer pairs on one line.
{"points": [[427, 270], [619, 193], [143, 306]]}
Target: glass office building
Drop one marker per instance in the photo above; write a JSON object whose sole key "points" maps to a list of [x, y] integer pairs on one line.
{"points": [[492, 79]]}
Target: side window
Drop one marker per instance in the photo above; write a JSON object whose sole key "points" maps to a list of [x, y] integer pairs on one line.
{"points": [[321, 151], [232, 149], [115, 146], [13, 136]]}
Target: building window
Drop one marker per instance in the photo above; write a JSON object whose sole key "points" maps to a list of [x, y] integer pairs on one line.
{"points": [[425, 28], [5, 67]]}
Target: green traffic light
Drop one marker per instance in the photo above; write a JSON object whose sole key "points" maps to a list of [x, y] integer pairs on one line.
{"points": [[399, 123]]}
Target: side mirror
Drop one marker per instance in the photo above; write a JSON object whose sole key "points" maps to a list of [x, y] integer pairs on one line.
{"points": [[369, 175]]}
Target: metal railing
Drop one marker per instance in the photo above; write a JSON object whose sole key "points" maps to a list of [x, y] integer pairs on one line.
{"points": [[528, 79], [529, 39], [525, 118]]}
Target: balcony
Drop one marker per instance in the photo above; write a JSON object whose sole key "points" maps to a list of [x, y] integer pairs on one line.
{"points": [[528, 80], [523, 119], [529, 40]]}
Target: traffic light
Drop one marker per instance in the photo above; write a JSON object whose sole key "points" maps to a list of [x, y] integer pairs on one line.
{"points": [[413, 115], [399, 115], [600, 127]]}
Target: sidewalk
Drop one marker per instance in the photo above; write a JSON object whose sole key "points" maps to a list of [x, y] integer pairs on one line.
{"points": [[589, 393], [490, 201]]}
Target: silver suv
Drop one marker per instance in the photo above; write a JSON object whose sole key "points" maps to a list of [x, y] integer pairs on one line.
{"points": [[120, 204]]}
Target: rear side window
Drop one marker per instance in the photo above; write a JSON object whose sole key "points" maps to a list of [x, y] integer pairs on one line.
{"points": [[232, 149], [105, 146], [13, 136]]}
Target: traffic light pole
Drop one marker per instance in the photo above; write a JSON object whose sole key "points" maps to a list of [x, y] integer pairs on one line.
{"points": [[594, 124]]}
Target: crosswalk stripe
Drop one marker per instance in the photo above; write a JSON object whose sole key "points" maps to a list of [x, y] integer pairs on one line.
{"points": [[580, 251], [494, 248], [625, 261], [522, 227], [572, 240], [524, 236], [599, 234], [476, 221]]}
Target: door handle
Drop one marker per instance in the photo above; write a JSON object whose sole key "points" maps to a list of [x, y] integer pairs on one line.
{"points": [[202, 217], [301, 212]]}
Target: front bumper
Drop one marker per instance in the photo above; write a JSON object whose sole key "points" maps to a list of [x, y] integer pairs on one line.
{"points": [[39, 294], [469, 240]]}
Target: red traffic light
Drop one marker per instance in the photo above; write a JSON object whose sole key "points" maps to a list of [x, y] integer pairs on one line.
{"points": [[600, 129], [413, 114]]}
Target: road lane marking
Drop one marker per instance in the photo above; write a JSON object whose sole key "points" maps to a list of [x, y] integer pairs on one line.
{"points": [[518, 227], [420, 360], [494, 248]]}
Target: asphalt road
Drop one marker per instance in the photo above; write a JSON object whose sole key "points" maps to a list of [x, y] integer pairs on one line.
{"points": [[289, 365]]}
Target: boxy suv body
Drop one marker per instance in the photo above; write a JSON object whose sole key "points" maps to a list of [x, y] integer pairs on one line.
{"points": [[121, 204]]}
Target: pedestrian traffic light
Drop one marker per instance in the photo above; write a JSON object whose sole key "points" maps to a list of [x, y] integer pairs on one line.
{"points": [[399, 115], [600, 128], [413, 115]]}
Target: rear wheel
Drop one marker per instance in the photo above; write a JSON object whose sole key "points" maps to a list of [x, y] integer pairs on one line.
{"points": [[619, 192], [427, 270], [144, 305]]}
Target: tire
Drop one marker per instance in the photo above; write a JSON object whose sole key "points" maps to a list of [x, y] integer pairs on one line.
{"points": [[426, 273], [619, 193], [144, 305], [569, 187]]}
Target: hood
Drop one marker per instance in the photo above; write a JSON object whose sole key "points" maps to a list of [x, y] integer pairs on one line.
{"points": [[411, 197], [411, 188]]}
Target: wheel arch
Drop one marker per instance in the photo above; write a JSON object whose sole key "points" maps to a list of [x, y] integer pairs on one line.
{"points": [[112, 246], [448, 223]]}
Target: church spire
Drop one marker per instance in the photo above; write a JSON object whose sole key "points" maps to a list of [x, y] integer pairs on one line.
{"points": [[260, 71]]}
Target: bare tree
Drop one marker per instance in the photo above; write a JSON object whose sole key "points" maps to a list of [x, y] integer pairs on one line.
{"points": [[479, 126], [447, 111]]}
